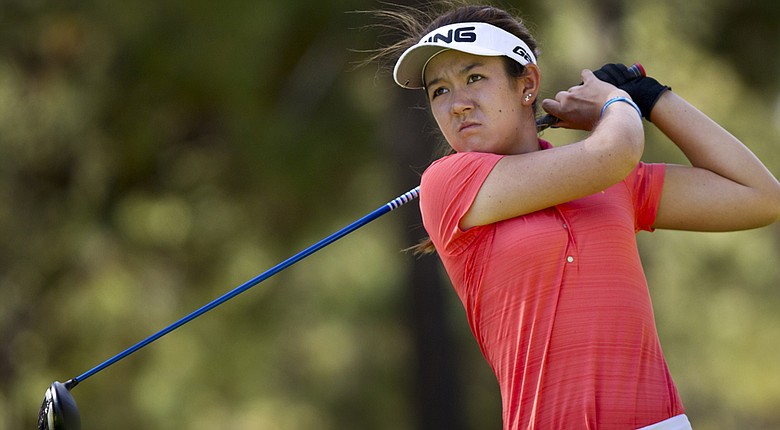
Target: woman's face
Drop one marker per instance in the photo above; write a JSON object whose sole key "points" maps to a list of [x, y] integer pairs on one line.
{"points": [[476, 104]]}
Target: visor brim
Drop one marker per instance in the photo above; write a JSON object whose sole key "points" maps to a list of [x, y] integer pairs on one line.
{"points": [[408, 72]]}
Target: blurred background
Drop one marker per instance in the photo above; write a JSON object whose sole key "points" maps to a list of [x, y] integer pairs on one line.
{"points": [[155, 154]]}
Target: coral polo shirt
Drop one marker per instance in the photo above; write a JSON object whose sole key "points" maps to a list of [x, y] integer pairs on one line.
{"points": [[557, 299]]}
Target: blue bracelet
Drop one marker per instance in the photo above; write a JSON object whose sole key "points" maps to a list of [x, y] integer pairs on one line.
{"points": [[620, 99]]}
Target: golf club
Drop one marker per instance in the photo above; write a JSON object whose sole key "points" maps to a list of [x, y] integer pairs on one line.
{"points": [[59, 411], [635, 70]]}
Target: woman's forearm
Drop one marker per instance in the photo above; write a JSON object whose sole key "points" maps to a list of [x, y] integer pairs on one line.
{"points": [[709, 146]]}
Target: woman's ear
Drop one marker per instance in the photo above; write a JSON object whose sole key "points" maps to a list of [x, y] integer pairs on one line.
{"points": [[530, 83]]}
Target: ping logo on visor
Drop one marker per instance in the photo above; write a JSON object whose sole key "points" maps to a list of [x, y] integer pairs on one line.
{"points": [[477, 38], [461, 34]]}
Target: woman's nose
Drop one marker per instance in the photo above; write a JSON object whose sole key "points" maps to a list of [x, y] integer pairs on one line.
{"points": [[461, 103]]}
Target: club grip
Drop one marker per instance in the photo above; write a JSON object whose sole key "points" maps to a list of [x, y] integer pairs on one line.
{"points": [[636, 70]]}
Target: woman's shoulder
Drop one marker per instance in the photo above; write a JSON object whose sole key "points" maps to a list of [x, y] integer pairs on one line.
{"points": [[455, 177], [462, 161]]}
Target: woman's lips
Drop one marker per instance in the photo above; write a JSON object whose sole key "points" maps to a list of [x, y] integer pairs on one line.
{"points": [[467, 126]]}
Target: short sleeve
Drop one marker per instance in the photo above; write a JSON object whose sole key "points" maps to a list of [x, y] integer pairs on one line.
{"points": [[646, 183], [447, 191]]}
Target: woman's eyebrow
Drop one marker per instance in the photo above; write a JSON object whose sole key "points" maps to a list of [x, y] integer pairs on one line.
{"points": [[465, 70]]}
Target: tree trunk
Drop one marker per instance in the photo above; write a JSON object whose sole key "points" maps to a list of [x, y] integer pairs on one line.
{"points": [[437, 392]]}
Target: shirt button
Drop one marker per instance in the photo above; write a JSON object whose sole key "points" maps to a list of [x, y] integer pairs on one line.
{"points": [[570, 259], [565, 226]]}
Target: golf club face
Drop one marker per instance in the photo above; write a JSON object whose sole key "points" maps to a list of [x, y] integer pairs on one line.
{"points": [[59, 410]]}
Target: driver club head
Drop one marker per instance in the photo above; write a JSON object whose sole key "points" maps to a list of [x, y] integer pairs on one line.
{"points": [[59, 410]]}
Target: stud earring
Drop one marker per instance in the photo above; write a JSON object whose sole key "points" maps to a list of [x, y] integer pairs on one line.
{"points": [[528, 97]]}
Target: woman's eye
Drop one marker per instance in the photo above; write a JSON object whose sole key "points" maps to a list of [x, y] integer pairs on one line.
{"points": [[438, 91], [474, 78]]}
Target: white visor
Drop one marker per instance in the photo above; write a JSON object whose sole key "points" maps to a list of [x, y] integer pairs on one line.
{"points": [[476, 38]]}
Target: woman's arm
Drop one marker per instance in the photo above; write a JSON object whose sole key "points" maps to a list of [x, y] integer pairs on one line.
{"points": [[524, 183], [726, 188]]}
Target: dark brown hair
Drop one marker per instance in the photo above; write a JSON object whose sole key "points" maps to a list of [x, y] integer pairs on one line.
{"points": [[414, 23]]}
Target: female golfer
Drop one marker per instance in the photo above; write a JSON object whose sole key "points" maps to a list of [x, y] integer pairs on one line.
{"points": [[539, 241]]}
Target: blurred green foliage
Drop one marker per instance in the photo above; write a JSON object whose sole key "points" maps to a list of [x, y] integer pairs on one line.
{"points": [[155, 154]]}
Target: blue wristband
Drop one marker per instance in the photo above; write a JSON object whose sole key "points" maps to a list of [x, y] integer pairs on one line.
{"points": [[620, 99]]}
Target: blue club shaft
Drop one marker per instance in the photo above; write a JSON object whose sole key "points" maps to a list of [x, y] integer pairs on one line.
{"points": [[391, 205]]}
